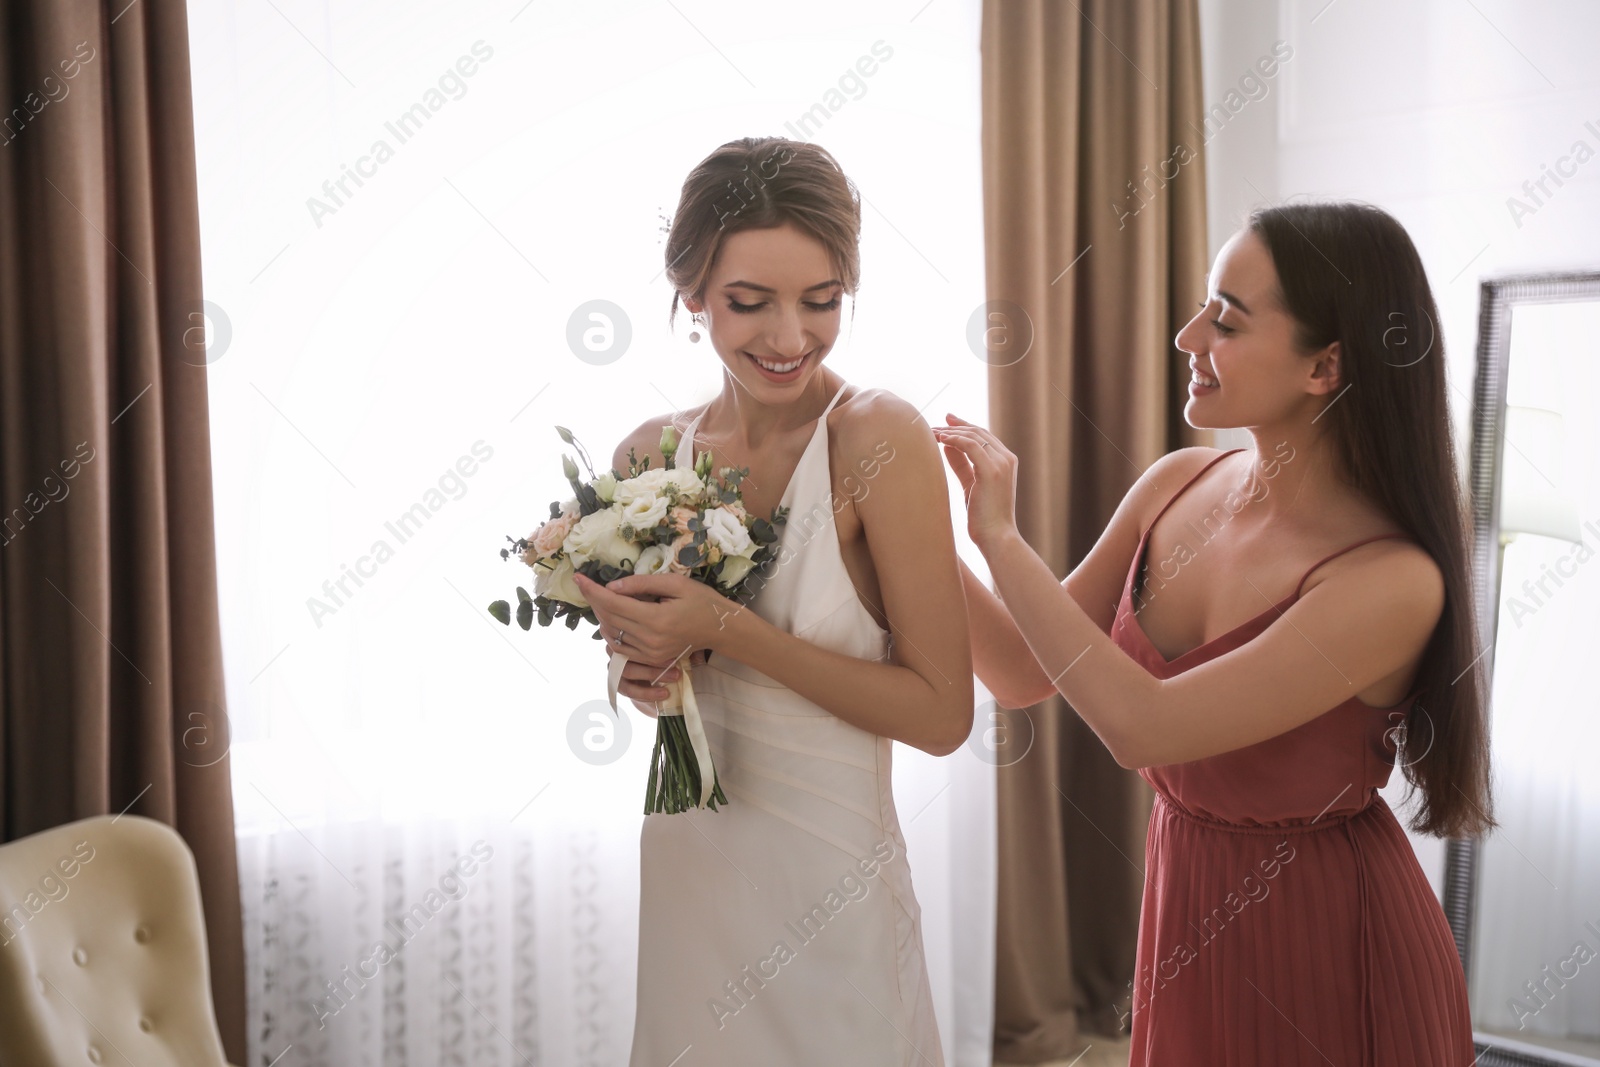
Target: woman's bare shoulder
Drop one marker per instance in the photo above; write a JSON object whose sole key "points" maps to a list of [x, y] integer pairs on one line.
{"points": [[874, 419], [645, 439], [865, 403], [1182, 463], [1162, 480]]}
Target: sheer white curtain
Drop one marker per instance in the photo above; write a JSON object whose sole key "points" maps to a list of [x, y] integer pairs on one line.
{"points": [[1538, 934], [403, 206]]}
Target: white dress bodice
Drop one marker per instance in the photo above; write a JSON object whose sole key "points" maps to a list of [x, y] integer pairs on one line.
{"points": [[782, 928]]}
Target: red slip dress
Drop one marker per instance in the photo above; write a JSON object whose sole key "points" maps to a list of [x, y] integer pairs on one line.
{"points": [[1286, 921]]}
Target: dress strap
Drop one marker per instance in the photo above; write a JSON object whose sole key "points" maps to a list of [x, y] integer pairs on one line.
{"points": [[687, 443], [1339, 553], [842, 387], [1209, 464], [694, 426]]}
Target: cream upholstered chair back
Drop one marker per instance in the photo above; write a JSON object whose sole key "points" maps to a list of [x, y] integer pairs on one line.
{"points": [[103, 949]]}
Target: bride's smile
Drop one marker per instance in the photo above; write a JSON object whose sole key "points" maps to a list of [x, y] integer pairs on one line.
{"points": [[773, 318]]}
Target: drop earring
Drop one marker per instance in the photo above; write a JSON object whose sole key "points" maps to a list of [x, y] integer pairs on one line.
{"points": [[694, 334]]}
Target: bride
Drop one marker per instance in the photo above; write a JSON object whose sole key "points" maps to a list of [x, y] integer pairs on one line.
{"points": [[782, 928]]}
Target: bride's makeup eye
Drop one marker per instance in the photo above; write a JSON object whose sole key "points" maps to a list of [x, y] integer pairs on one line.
{"points": [[734, 305]]}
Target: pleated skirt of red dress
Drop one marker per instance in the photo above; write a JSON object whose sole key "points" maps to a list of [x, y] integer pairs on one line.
{"points": [[1310, 944]]}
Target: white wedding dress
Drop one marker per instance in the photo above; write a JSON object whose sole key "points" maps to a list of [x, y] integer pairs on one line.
{"points": [[781, 929]]}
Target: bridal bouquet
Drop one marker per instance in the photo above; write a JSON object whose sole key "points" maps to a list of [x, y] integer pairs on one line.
{"points": [[677, 520]]}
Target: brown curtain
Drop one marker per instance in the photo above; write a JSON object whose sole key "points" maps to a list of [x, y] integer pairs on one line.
{"points": [[1094, 212], [111, 693]]}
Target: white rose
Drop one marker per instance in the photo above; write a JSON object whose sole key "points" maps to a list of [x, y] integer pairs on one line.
{"points": [[725, 531], [653, 560], [643, 512], [571, 507], [647, 484], [652, 483], [596, 536], [605, 486], [557, 583]]}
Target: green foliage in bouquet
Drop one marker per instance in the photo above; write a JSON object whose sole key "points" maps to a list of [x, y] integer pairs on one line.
{"points": [[675, 782]]}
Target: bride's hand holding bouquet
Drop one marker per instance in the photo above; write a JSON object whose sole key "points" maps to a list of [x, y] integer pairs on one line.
{"points": [[658, 560]]}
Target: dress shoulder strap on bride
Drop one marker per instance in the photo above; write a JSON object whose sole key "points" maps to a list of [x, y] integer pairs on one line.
{"points": [[694, 426], [842, 387], [687, 442]]}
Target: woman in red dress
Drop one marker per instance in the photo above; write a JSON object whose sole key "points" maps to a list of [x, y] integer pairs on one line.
{"points": [[1265, 633]]}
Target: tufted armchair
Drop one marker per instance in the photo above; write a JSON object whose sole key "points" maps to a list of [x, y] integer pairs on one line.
{"points": [[103, 949]]}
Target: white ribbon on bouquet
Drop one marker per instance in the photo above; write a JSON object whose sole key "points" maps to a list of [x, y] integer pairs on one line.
{"points": [[680, 701]]}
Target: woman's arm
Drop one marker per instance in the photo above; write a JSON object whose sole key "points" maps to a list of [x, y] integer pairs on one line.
{"points": [[1001, 655], [1364, 621], [922, 693]]}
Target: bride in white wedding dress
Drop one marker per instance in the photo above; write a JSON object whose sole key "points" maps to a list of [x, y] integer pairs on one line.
{"points": [[783, 928]]}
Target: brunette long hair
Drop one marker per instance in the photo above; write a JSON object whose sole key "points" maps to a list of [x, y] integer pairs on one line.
{"points": [[1348, 272]]}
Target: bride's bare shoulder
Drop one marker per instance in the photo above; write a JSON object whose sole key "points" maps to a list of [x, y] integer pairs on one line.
{"points": [[865, 419], [645, 439], [873, 408]]}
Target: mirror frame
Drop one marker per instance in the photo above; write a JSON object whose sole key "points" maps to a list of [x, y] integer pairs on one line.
{"points": [[1497, 298]]}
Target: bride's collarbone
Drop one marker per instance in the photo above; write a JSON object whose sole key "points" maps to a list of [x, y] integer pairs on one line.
{"points": [[770, 466], [768, 474]]}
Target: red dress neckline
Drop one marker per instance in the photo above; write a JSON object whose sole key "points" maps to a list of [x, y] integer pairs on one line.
{"points": [[1125, 606], [1127, 599]]}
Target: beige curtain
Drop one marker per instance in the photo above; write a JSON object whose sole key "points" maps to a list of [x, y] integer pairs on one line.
{"points": [[111, 692], [1094, 211]]}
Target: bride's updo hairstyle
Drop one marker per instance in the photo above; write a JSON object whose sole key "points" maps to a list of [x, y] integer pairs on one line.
{"points": [[758, 183]]}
